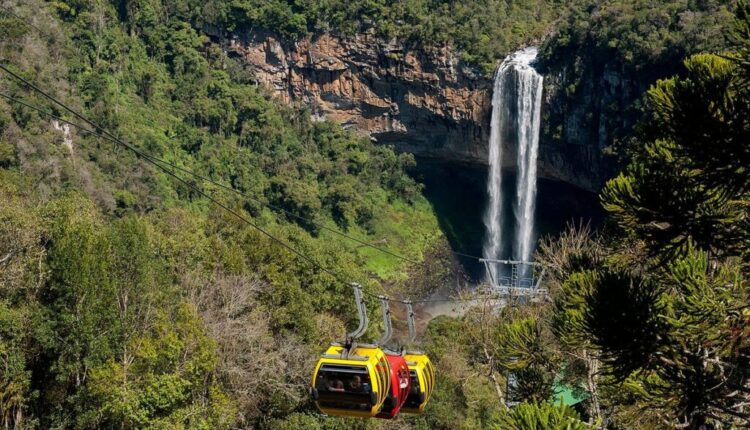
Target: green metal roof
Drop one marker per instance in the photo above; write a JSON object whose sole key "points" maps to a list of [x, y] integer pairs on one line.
{"points": [[566, 395]]}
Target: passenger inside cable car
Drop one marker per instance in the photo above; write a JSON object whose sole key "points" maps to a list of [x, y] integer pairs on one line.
{"points": [[422, 383], [350, 379], [414, 399], [344, 387]]}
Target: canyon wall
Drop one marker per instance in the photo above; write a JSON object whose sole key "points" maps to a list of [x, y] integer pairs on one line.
{"points": [[426, 102]]}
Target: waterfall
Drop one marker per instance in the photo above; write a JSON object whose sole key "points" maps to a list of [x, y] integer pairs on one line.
{"points": [[516, 106], [493, 219], [529, 100]]}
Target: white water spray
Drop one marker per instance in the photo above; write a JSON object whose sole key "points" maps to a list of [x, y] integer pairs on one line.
{"points": [[493, 219], [529, 90], [516, 113]]}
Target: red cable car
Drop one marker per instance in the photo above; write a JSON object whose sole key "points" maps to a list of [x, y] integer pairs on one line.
{"points": [[400, 383]]}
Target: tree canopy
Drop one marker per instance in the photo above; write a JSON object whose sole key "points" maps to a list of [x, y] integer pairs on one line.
{"points": [[128, 300]]}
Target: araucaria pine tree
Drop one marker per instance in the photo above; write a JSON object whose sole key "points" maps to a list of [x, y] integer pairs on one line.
{"points": [[668, 307]]}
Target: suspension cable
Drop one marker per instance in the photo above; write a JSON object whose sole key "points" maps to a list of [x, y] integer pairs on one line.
{"points": [[164, 166], [156, 162], [227, 187], [159, 163], [12, 14]]}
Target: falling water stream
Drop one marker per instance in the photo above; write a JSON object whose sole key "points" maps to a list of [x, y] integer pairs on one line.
{"points": [[516, 105]]}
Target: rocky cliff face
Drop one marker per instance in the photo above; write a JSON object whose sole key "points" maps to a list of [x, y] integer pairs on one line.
{"points": [[585, 113], [427, 102]]}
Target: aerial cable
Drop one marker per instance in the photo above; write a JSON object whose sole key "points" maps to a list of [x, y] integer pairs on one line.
{"points": [[101, 132], [461, 254], [164, 166], [221, 185], [12, 14], [154, 162], [218, 184]]}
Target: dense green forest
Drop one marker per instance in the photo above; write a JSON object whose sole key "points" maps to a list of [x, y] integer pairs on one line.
{"points": [[604, 55], [129, 300], [483, 29], [112, 271]]}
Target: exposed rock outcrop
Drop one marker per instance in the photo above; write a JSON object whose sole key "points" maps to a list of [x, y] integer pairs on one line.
{"points": [[425, 102]]}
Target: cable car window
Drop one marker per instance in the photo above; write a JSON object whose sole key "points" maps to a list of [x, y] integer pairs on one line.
{"points": [[344, 387], [413, 401]]}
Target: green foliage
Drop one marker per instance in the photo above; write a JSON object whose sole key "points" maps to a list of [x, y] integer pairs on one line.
{"points": [[510, 351], [15, 381], [523, 348], [655, 332], [101, 322], [605, 54], [741, 38], [79, 295], [163, 381], [665, 305], [314, 422], [706, 98], [126, 300], [483, 30], [707, 308], [676, 189], [20, 275], [154, 365], [459, 402], [7, 155], [568, 320], [622, 317], [639, 33], [541, 416]]}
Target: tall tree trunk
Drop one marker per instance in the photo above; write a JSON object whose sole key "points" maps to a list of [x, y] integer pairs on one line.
{"points": [[592, 368]]}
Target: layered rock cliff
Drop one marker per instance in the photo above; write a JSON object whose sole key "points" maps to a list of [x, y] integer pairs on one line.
{"points": [[425, 102]]}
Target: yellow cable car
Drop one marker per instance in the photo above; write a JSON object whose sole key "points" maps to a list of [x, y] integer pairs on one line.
{"points": [[351, 382], [422, 375]]}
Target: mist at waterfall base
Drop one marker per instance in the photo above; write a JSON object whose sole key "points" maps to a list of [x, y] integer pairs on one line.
{"points": [[458, 195]]}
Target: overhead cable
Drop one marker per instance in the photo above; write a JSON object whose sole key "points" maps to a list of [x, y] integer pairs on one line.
{"points": [[166, 168]]}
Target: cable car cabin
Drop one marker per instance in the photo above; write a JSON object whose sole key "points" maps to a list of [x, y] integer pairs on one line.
{"points": [[422, 382], [400, 383], [353, 385]]}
